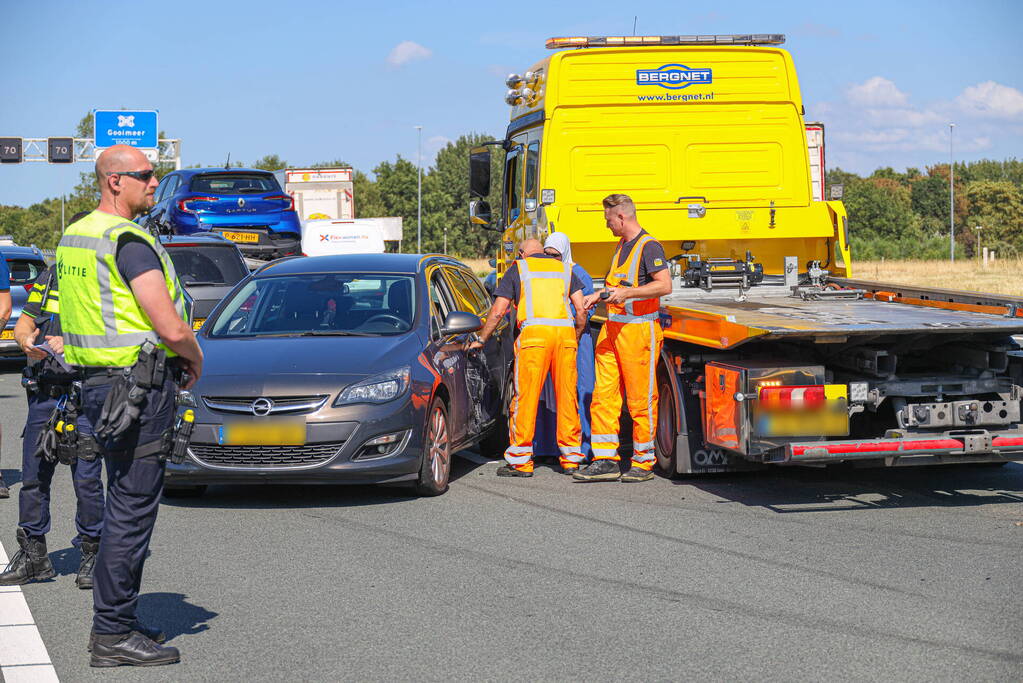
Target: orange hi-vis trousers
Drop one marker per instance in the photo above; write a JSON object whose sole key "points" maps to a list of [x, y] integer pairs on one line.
{"points": [[626, 363], [541, 349]]}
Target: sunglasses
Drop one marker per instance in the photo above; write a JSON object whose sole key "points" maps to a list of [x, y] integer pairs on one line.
{"points": [[144, 176]]}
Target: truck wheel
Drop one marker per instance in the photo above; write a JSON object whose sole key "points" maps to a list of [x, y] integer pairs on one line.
{"points": [[666, 439], [435, 470]]}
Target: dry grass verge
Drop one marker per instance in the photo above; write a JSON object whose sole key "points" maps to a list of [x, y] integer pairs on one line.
{"points": [[1000, 277]]}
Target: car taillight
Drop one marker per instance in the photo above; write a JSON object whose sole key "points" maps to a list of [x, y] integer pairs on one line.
{"points": [[183, 203], [28, 287], [792, 397], [290, 206]]}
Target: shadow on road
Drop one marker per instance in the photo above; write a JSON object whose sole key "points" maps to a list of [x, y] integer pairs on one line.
{"points": [[813, 490], [260, 495], [173, 614]]}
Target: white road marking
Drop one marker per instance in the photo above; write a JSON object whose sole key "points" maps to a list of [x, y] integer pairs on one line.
{"points": [[23, 655]]}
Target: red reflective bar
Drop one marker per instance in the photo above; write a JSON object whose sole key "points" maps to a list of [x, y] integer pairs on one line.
{"points": [[784, 397], [1005, 441], [880, 447]]}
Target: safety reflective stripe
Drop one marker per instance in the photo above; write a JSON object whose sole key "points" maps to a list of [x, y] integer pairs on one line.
{"points": [[511, 457], [643, 446], [605, 454], [551, 322], [102, 341], [622, 318], [636, 257], [604, 438], [650, 383], [571, 453]]}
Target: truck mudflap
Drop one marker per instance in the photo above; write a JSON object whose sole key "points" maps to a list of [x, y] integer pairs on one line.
{"points": [[976, 445]]}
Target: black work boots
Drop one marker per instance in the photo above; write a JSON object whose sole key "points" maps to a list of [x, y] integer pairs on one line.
{"points": [[30, 563], [89, 550], [131, 649]]}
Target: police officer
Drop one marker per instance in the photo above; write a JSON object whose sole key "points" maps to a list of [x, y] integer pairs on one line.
{"points": [[628, 346], [544, 290], [48, 381], [125, 327]]}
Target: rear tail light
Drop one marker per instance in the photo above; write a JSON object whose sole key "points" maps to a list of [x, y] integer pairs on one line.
{"points": [[183, 203], [792, 397], [290, 201]]}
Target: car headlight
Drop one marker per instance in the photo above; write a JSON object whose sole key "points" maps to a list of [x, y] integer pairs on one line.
{"points": [[380, 388]]}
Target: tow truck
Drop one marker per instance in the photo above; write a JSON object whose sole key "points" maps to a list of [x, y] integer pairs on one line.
{"points": [[773, 354]]}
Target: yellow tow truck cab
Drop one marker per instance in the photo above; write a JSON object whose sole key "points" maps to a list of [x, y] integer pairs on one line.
{"points": [[772, 354], [708, 140]]}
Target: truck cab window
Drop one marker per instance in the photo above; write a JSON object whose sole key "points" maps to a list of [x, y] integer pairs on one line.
{"points": [[532, 168], [513, 194]]}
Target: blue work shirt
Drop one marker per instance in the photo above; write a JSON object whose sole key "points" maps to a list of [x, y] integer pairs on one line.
{"points": [[5, 275]]}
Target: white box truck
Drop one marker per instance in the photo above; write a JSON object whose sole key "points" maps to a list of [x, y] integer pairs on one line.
{"points": [[319, 193]]}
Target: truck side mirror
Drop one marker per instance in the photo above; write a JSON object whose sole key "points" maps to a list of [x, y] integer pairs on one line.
{"points": [[479, 214], [479, 172]]}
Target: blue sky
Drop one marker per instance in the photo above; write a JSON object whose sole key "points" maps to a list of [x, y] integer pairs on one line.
{"points": [[316, 81]]}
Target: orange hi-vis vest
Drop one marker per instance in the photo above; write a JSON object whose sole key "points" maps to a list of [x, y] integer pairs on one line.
{"points": [[543, 299], [634, 310]]}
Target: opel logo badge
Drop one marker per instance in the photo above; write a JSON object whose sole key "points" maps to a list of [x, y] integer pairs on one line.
{"points": [[261, 407], [241, 202]]}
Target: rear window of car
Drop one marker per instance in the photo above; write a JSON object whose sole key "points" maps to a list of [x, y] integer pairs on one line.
{"points": [[363, 304], [234, 183], [24, 271], [207, 264]]}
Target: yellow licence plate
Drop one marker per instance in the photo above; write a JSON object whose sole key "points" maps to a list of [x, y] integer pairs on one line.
{"points": [[197, 323], [241, 236], [275, 433], [7, 334]]}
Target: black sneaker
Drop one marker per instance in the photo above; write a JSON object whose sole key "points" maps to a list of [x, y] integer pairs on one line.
{"points": [[637, 474], [599, 470], [509, 471], [134, 649]]}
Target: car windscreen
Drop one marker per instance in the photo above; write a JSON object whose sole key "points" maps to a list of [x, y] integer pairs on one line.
{"points": [[24, 271], [234, 183], [335, 304], [199, 265]]}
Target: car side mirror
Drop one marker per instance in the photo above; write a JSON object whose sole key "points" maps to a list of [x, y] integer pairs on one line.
{"points": [[460, 322], [492, 262]]}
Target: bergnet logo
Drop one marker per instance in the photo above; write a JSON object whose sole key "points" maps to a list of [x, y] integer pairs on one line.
{"points": [[673, 76]]}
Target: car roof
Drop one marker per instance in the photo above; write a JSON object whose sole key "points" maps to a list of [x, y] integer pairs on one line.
{"points": [[373, 263], [22, 252], [212, 238], [189, 172]]}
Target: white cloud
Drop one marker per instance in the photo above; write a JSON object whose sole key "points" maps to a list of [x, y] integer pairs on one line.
{"points": [[990, 99], [903, 116], [876, 92], [408, 51], [437, 142]]}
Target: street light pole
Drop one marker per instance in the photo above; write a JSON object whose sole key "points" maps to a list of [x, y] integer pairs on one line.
{"points": [[419, 215], [951, 195]]}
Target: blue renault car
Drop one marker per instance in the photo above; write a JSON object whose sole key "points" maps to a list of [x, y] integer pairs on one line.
{"points": [[244, 205]]}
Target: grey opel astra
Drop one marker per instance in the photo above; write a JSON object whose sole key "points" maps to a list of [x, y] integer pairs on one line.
{"points": [[346, 369]]}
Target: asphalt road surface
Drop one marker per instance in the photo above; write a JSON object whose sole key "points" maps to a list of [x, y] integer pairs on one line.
{"points": [[906, 574]]}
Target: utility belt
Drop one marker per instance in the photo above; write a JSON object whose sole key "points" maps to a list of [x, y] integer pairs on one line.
{"points": [[60, 440], [38, 382], [124, 403]]}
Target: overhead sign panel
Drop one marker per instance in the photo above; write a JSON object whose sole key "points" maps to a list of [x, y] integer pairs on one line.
{"points": [[10, 150], [60, 150], [119, 127]]}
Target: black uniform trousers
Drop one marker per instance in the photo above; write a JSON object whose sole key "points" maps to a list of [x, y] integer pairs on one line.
{"points": [[134, 486], [37, 475]]}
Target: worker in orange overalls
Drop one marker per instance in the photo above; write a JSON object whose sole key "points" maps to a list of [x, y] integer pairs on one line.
{"points": [[542, 288], [628, 347]]}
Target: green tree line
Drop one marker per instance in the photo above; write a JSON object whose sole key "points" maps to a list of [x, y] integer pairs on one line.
{"points": [[906, 215]]}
